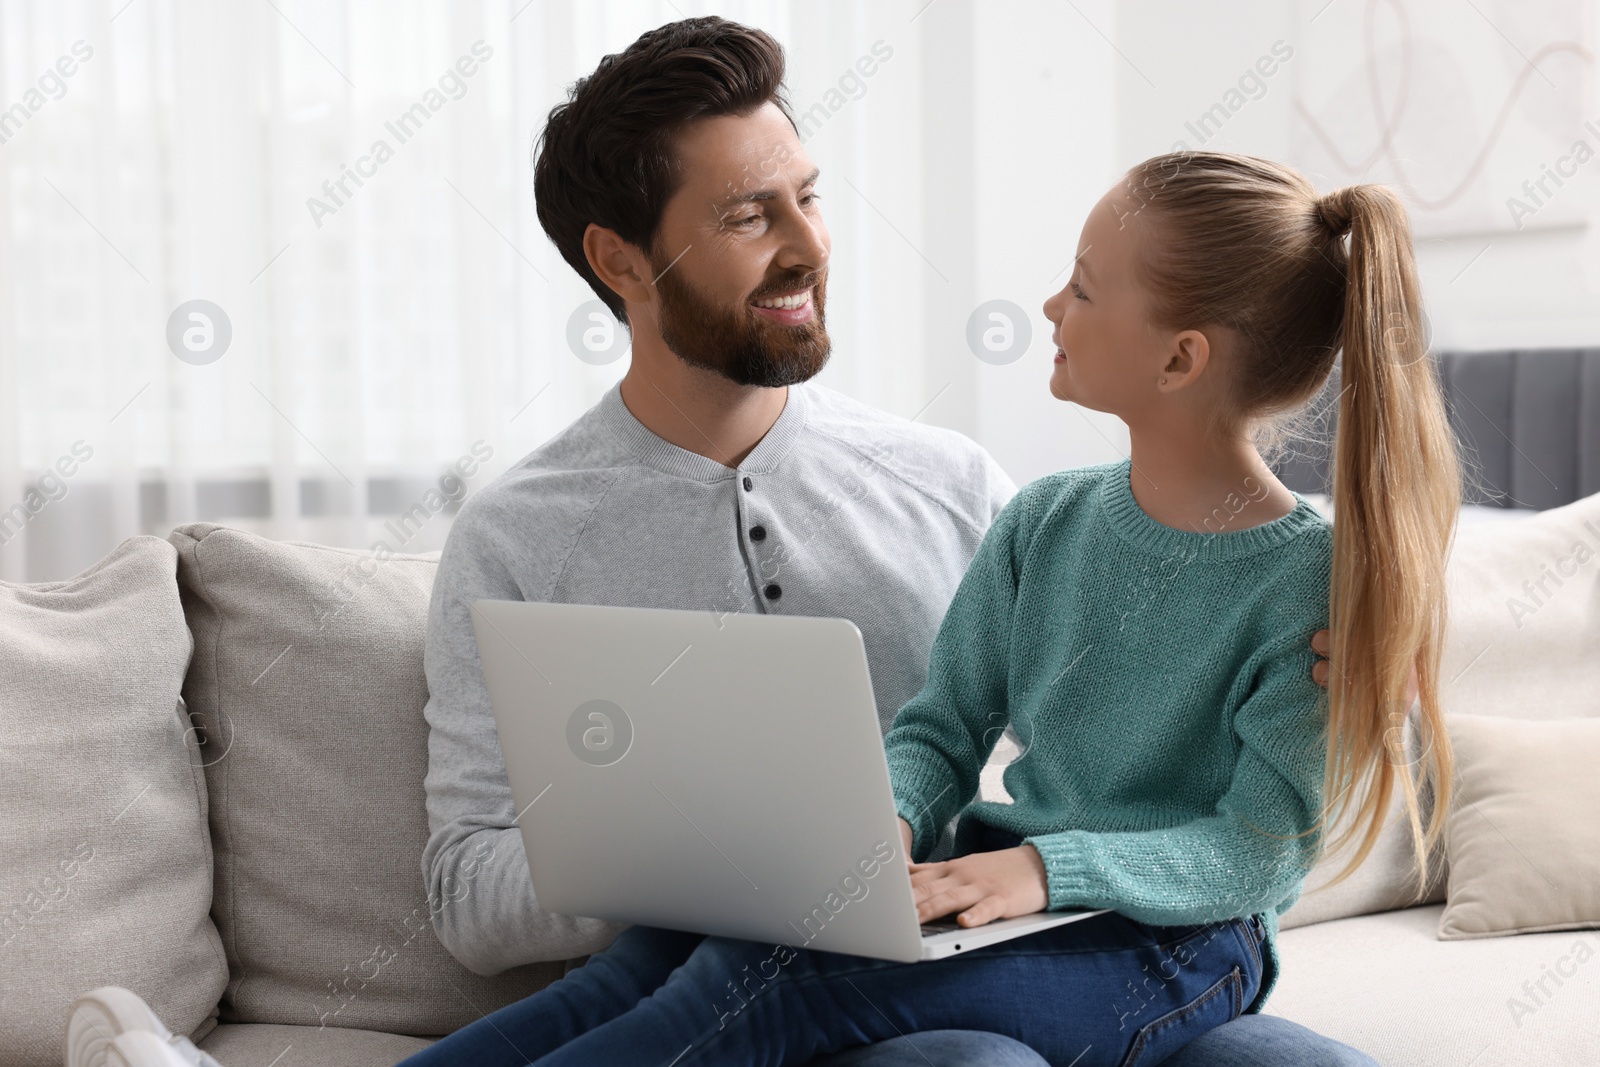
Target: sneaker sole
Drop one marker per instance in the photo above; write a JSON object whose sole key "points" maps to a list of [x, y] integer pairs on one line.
{"points": [[100, 1017], [141, 1048]]}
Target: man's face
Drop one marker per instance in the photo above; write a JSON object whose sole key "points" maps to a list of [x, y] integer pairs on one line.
{"points": [[740, 258]]}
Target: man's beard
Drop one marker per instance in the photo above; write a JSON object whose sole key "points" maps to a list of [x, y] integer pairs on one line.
{"points": [[739, 343]]}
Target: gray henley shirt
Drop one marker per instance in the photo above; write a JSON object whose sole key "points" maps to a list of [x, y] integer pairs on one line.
{"points": [[841, 510]]}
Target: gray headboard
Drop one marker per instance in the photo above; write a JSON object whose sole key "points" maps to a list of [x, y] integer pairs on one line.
{"points": [[1528, 422]]}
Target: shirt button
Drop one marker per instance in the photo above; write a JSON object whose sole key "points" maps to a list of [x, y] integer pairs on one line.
{"points": [[773, 591], [748, 484], [758, 533]]}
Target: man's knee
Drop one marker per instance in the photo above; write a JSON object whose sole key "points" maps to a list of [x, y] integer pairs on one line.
{"points": [[1266, 1041], [940, 1048]]}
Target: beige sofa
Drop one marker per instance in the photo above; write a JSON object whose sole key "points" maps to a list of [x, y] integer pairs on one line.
{"points": [[211, 792]]}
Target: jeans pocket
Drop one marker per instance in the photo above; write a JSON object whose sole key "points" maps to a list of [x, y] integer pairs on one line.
{"points": [[1170, 939], [1160, 1038]]}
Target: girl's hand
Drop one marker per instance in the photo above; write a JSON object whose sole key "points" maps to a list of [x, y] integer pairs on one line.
{"points": [[982, 887], [905, 840]]}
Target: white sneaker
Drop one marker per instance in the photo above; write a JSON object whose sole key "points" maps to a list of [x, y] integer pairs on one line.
{"points": [[113, 1027]]}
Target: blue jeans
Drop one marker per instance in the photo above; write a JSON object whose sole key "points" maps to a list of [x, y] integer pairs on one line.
{"points": [[631, 991], [1248, 1041], [1101, 992]]}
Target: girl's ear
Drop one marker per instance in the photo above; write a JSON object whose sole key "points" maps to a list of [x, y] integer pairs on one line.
{"points": [[1186, 361]]}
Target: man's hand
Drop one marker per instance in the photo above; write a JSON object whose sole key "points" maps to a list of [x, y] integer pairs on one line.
{"points": [[1321, 644], [982, 887]]}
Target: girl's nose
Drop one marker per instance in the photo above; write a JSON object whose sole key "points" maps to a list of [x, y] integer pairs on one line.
{"points": [[1051, 306]]}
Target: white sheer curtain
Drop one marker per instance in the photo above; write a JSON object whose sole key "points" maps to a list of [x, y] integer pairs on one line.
{"points": [[384, 331]]}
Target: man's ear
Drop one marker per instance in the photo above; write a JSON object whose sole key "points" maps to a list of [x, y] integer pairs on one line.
{"points": [[622, 266], [1187, 359]]}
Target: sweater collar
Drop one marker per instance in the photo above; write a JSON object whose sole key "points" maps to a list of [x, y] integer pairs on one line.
{"points": [[662, 455], [1131, 523]]}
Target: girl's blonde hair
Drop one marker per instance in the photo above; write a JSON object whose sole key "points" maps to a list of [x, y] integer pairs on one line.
{"points": [[1248, 245]]}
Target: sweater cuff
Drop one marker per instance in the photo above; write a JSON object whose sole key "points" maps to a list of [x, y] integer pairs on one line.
{"points": [[1067, 869], [924, 793], [924, 834]]}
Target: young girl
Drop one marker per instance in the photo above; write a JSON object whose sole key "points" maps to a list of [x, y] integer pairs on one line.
{"points": [[1144, 627]]}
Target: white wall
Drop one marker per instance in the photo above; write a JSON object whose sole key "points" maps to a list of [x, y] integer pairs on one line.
{"points": [[399, 332], [1532, 288], [1063, 110], [1046, 151]]}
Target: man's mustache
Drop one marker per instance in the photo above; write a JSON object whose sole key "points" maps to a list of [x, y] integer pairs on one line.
{"points": [[791, 283]]}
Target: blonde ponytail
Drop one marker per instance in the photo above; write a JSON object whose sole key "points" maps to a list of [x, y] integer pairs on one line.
{"points": [[1396, 493]]}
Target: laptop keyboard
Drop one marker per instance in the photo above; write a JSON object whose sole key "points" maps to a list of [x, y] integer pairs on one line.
{"points": [[940, 926]]}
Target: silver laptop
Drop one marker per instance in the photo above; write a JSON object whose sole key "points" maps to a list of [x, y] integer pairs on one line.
{"points": [[720, 774]]}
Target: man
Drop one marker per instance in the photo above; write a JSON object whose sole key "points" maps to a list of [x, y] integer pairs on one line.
{"points": [[673, 181]]}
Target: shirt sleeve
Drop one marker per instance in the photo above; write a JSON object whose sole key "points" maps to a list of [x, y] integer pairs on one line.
{"points": [[1243, 859], [942, 737], [1001, 487], [479, 890]]}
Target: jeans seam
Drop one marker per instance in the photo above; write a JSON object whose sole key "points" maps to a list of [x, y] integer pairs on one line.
{"points": [[1168, 946], [1242, 929], [1231, 979]]}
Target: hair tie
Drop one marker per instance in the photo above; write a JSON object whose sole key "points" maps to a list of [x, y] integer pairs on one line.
{"points": [[1333, 220]]}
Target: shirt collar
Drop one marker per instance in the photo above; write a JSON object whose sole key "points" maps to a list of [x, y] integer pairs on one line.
{"points": [[666, 457]]}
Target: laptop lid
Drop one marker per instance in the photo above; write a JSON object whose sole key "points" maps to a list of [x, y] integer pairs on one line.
{"points": [[716, 773]]}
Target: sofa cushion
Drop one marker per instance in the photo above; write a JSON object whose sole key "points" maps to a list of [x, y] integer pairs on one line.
{"points": [[1523, 642], [266, 1045], [1524, 842], [1388, 986], [308, 682], [1385, 880], [105, 861], [1525, 617]]}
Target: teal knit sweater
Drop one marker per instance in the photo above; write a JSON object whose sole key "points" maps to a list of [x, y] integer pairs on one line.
{"points": [[1159, 682]]}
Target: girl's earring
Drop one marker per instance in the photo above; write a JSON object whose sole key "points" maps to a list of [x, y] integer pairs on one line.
{"points": [[1163, 381]]}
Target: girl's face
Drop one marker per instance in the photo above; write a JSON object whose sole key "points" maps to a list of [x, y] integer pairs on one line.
{"points": [[1108, 356]]}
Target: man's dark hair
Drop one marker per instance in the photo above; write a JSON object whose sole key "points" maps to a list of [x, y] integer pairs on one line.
{"points": [[605, 155]]}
